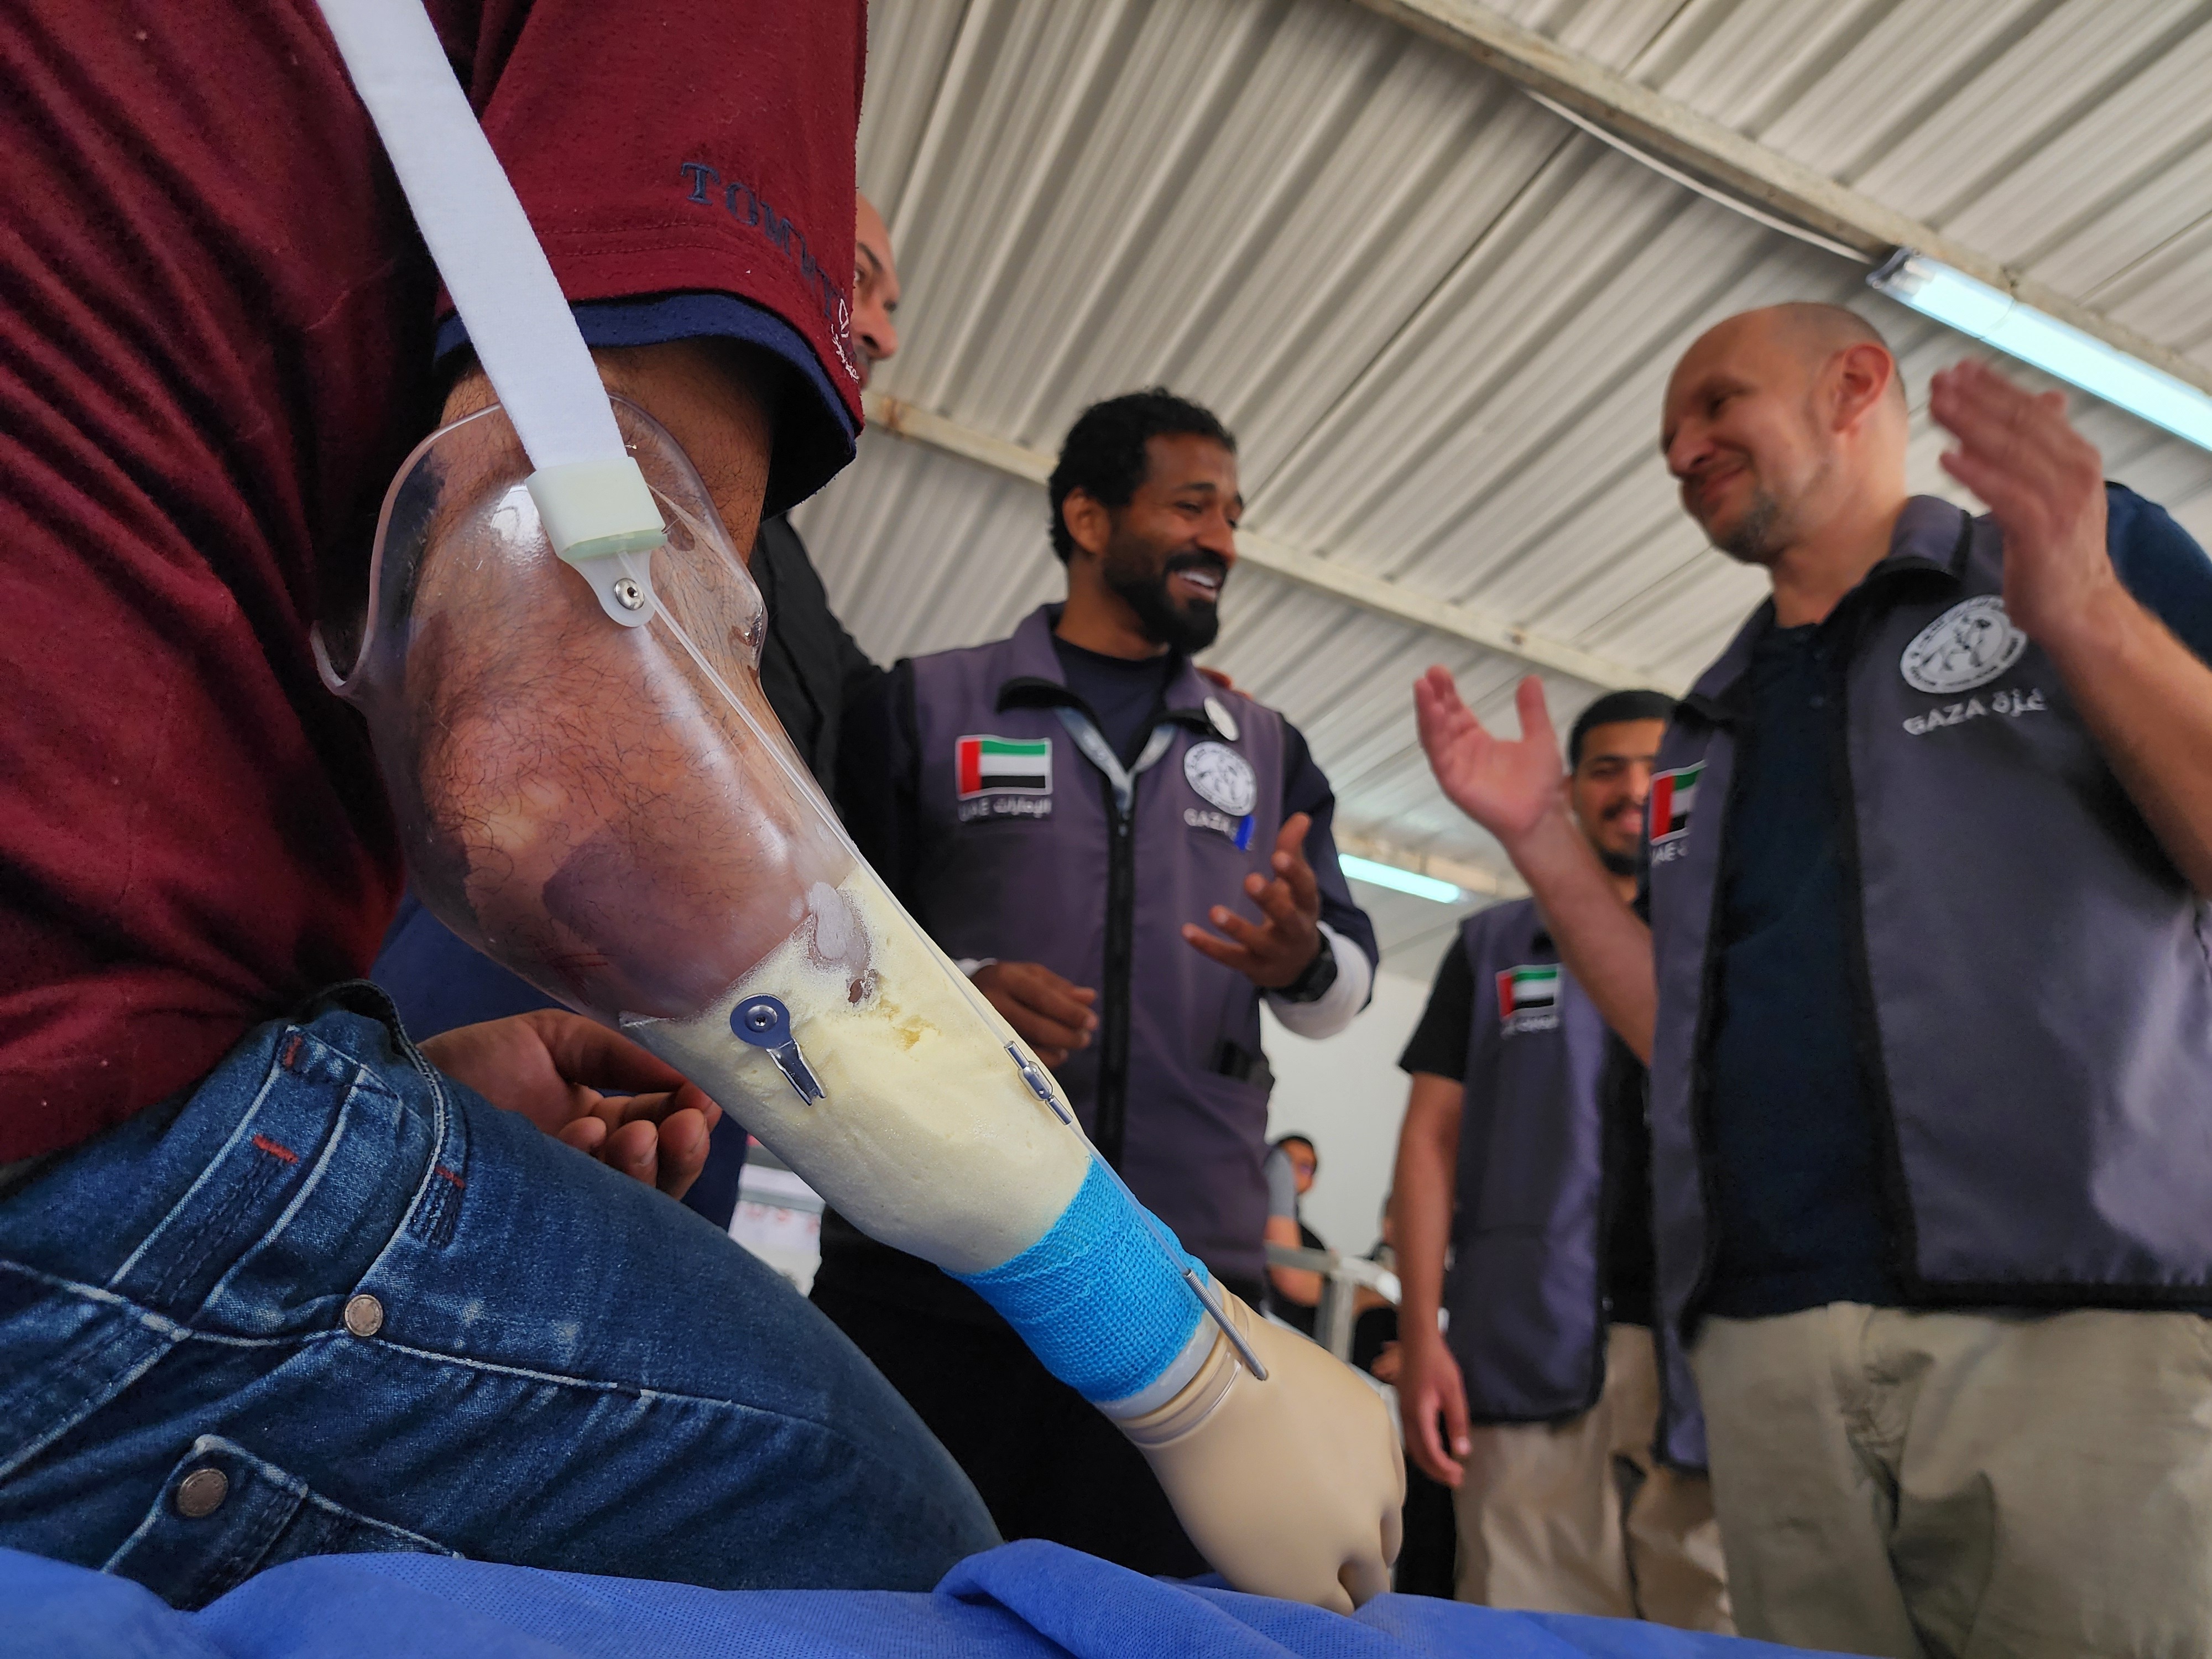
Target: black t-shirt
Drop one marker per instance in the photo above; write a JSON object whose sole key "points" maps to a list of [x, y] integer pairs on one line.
{"points": [[1797, 1215], [1124, 695], [1439, 1047]]}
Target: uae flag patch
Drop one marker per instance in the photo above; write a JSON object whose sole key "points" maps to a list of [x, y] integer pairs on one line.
{"points": [[1673, 794], [1531, 987], [1003, 766]]}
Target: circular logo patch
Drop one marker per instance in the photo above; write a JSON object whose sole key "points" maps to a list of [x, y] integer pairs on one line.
{"points": [[1969, 645], [1223, 779], [1224, 722]]}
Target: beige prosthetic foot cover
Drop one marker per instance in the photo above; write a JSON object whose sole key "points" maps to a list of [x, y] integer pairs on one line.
{"points": [[1291, 1487]]}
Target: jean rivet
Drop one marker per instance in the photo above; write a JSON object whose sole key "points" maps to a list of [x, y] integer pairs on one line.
{"points": [[201, 1493], [364, 1316]]}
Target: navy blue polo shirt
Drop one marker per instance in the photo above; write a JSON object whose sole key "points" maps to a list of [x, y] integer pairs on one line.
{"points": [[815, 434], [1798, 1214]]}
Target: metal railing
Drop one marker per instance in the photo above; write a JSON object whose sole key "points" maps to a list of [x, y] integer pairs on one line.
{"points": [[1342, 1278]]}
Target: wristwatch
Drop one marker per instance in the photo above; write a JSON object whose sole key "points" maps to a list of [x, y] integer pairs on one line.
{"points": [[1312, 985]]}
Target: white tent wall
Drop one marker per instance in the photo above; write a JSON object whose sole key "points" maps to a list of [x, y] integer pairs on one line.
{"points": [[1347, 1095]]}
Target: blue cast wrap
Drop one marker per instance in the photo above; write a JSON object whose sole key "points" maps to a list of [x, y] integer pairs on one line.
{"points": [[1095, 1298]]}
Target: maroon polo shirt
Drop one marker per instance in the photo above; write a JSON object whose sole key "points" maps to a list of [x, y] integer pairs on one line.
{"points": [[215, 333]]}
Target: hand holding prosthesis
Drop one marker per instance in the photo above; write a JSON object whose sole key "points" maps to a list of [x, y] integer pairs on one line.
{"points": [[613, 813]]}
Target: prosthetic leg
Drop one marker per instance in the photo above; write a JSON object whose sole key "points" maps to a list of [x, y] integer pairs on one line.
{"points": [[558, 667], [612, 812]]}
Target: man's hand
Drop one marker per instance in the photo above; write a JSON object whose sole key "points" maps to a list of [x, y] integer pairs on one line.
{"points": [[1509, 788], [1282, 946], [1517, 790], [552, 1067], [1428, 1383], [1389, 1365], [1051, 1014], [2144, 695], [2044, 483]]}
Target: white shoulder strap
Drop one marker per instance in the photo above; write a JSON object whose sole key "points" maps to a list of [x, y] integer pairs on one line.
{"points": [[590, 497]]}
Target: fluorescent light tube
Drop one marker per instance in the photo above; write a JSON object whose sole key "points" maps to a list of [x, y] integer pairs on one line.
{"points": [[1399, 881], [1990, 314]]}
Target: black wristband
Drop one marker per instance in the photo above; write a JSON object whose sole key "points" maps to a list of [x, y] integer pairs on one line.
{"points": [[1312, 985]]}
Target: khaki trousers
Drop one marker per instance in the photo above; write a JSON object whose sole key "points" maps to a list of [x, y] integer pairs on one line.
{"points": [[1576, 1517], [1965, 1485]]}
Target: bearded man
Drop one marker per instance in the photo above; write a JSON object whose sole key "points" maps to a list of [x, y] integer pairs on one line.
{"points": [[1064, 810]]}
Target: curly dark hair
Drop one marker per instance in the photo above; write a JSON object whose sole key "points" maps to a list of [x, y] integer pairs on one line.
{"points": [[1104, 457]]}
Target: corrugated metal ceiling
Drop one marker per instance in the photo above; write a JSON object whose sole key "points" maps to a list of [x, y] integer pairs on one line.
{"points": [[1439, 316]]}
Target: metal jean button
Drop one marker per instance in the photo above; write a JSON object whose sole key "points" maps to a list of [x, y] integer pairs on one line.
{"points": [[201, 1493], [364, 1316]]}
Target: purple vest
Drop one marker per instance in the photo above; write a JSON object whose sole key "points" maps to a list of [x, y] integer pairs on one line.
{"points": [[2033, 977], [1525, 1290], [1024, 857]]}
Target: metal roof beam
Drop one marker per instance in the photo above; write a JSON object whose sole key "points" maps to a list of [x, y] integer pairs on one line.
{"points": [[1765, 178], [1308, 570]]}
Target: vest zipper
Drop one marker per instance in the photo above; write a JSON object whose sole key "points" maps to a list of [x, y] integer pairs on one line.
{"points": [[1899, 1230], [1110, 1112], [1701, 1037], [1110, 1119]]}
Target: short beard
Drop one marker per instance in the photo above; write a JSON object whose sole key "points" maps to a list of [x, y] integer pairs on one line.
{"points": [[1754, 540], [1187, 630], [1766, 531], [1619, 863]]}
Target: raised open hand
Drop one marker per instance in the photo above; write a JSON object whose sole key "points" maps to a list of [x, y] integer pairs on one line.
{"points": [[1283, 943], [2044, 483], [1506, 786]]}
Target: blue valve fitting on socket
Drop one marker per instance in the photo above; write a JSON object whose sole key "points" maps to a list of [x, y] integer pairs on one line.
{"points": [[765, 1023]]}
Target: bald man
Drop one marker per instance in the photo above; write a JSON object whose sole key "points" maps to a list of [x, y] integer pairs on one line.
{"points": [[1925, 994]]}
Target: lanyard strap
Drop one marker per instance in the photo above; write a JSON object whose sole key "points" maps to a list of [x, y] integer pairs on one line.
{"points": [[592, 498], [1100, 753]]}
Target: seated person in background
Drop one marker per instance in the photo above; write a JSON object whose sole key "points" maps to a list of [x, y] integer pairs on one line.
{"points": [[1508, 1154], [1293, 1293], [811, 669]]}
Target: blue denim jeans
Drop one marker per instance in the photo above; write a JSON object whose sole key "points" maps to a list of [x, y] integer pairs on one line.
{"points": [[332, 1300]]}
